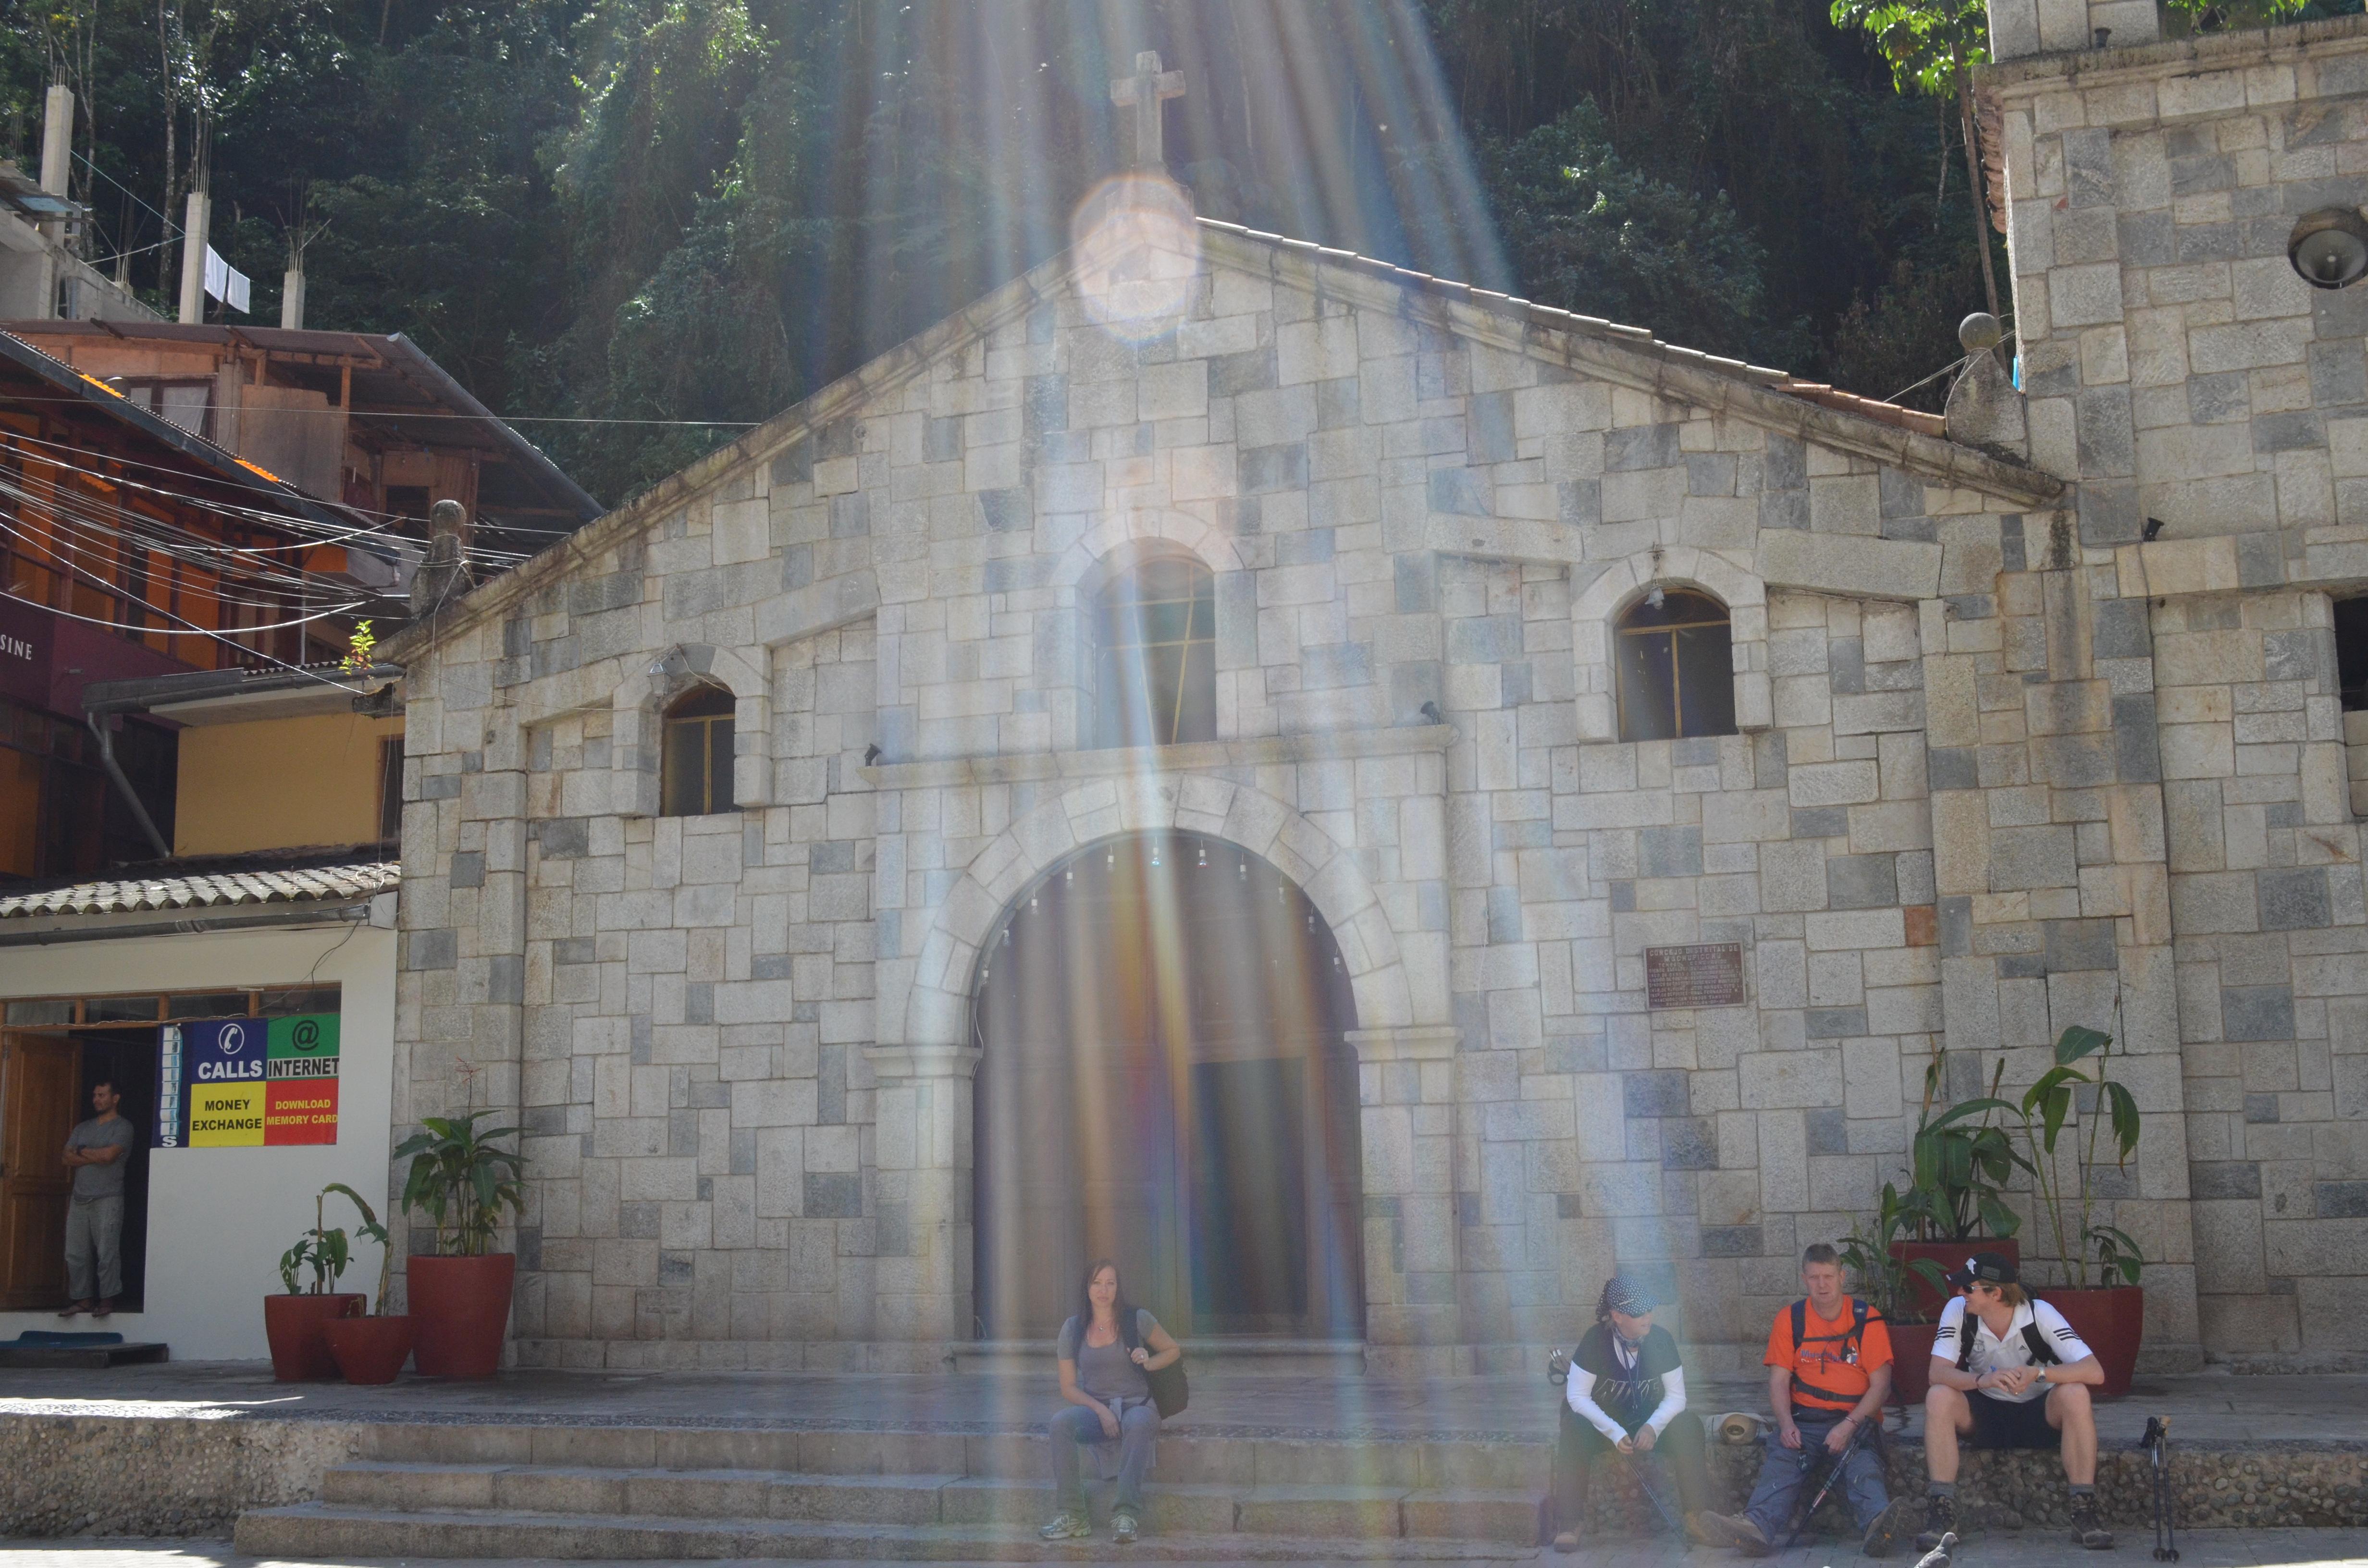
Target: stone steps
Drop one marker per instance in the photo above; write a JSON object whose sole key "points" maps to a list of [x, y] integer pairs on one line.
{"points": [[624, 1493], [1187, 1455], [332, 1531]]}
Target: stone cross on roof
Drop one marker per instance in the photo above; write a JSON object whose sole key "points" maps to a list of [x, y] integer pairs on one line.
{"points": [[1144, 92]]}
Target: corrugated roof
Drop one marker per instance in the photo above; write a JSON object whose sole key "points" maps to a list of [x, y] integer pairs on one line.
{"points": [[167, 888]]}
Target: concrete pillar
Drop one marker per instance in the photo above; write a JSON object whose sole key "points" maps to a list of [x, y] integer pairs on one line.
{"points": [[920, 1201], [1406, 1079], [193, 259], [291, 297], [57, 141]]}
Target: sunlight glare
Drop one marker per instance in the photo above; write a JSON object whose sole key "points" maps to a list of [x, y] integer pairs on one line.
{"points": [[1135, 251]]}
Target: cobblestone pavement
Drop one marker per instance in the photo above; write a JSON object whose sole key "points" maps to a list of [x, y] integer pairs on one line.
{"points": [[2206, 1407], [2200, 1549]]}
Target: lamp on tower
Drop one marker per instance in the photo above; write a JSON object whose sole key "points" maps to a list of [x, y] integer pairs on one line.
{"points": [[2329, 248]]}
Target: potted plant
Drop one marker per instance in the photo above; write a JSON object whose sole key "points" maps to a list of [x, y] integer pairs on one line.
{"points": [[1891, 1282], [369, 1349], [2110, 1313], [461, 1295], [291, 1323], [1958, 1169]]}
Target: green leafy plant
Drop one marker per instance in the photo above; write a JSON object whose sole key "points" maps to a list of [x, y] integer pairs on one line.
{"points": [[323, 1250], [460, 1181], [2047, 1106], [1958, 1172], [370, 1230], [1888, 1280]]}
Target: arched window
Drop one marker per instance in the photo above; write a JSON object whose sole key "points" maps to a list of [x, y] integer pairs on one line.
{"points": [[1156, 634], [1677, 668], [696, 766]]}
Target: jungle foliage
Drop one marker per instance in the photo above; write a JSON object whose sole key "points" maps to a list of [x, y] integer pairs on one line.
{"points": [[693, 210]]}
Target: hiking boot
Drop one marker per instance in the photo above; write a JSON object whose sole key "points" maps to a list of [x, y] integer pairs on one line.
{"points": [[1123, 1529], [1566, 1543], [1940, 1519], [1883, 1533], [1734, 1531], [2085, 1531], [1069, 1524], [1699, 1530]]}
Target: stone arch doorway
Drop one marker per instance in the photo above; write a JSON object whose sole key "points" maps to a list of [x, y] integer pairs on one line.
{"points": [[1164, 1078]]}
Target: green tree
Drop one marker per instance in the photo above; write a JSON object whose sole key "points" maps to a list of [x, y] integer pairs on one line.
{"points": [[1585, 231], [1933, 47]]}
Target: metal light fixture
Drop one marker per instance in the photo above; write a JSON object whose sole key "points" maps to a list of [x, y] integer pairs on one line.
{"points": [[2329, 248]]}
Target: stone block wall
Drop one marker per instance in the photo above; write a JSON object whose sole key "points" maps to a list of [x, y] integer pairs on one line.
{"points": [[1975, 745], [2211, 402], [2273, 954]]}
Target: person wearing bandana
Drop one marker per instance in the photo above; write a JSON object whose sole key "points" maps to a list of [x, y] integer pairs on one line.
{"points": [[1624, 1395]]}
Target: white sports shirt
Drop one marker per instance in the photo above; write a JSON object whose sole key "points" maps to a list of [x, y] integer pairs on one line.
{"points": [[1992, 1354]]}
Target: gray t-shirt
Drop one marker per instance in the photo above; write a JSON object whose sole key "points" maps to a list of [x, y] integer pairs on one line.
{"points": [[1108, 1371], [106, 1180]]}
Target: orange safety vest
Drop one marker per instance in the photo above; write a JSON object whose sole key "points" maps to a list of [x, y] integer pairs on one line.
{"points": [[1829, 1377]]}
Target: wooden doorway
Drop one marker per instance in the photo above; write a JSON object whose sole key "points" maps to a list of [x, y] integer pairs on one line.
{"points": [[41, 1082], [1166, 1080]]}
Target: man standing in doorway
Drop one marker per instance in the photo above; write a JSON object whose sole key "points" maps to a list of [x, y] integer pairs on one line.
{"points": [[2009, 1372], [96, 1152], [1828, 1368]]}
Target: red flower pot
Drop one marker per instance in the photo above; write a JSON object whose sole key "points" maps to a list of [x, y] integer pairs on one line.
{"points": [[2111, 1318], [292, 1325], [1912, 1361], [368, 1350], [1928, 1299], [459, 1314]]}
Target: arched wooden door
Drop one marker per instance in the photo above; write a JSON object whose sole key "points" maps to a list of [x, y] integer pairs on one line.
{"points": [[1166, 1080]]}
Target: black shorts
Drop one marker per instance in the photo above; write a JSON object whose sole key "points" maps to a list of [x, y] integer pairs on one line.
{"points": [[2006, 1423]]}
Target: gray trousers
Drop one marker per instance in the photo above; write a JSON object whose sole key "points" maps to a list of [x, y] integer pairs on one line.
{"points": [[94, 1234], [1077, 1428], [1786, 1471]]}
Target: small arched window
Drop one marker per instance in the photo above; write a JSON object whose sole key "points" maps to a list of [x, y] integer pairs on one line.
{"points": [[1677, 668], [696, 765], [1156, 634]]}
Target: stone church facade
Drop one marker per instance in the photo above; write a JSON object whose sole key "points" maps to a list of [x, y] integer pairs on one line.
{"points": [[2004, 757]]}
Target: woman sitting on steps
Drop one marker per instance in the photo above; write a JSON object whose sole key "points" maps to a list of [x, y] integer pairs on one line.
{"points": [[1624, 1396], [1103, 1376]]}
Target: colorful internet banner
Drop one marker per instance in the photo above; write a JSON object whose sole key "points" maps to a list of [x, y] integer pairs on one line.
{"points": [[247, 1082]]}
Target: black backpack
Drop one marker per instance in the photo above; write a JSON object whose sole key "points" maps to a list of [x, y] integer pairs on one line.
{"points": [[1969, 1331], [1169, 1392], [1860, 1315]]}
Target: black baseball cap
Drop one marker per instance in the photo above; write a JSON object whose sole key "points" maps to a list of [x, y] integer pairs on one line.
{"points": [[1989, 1267]]}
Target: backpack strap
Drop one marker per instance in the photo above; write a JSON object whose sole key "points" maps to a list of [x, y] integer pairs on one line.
{"points": [[1860, 1315], [1129, 1329], [1969, 1328], [2042, 1353]]}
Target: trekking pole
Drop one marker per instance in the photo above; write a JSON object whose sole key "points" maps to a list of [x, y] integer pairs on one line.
{"points": [[1647, 1465], [1833, 1474], [2156, 1441]]}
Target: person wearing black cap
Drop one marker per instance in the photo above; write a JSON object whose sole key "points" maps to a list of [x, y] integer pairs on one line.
{"points": [[2009, 1372], [1625, 1393]]}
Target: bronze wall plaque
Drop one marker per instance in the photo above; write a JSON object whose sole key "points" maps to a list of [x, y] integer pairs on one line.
{"points": [[1708, 975]]}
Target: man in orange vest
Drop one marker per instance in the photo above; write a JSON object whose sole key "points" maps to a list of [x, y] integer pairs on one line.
{"points": [[1830, 1367]]}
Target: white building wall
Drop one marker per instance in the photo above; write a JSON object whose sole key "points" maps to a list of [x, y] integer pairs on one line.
{"points": [[219, 1218]]}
